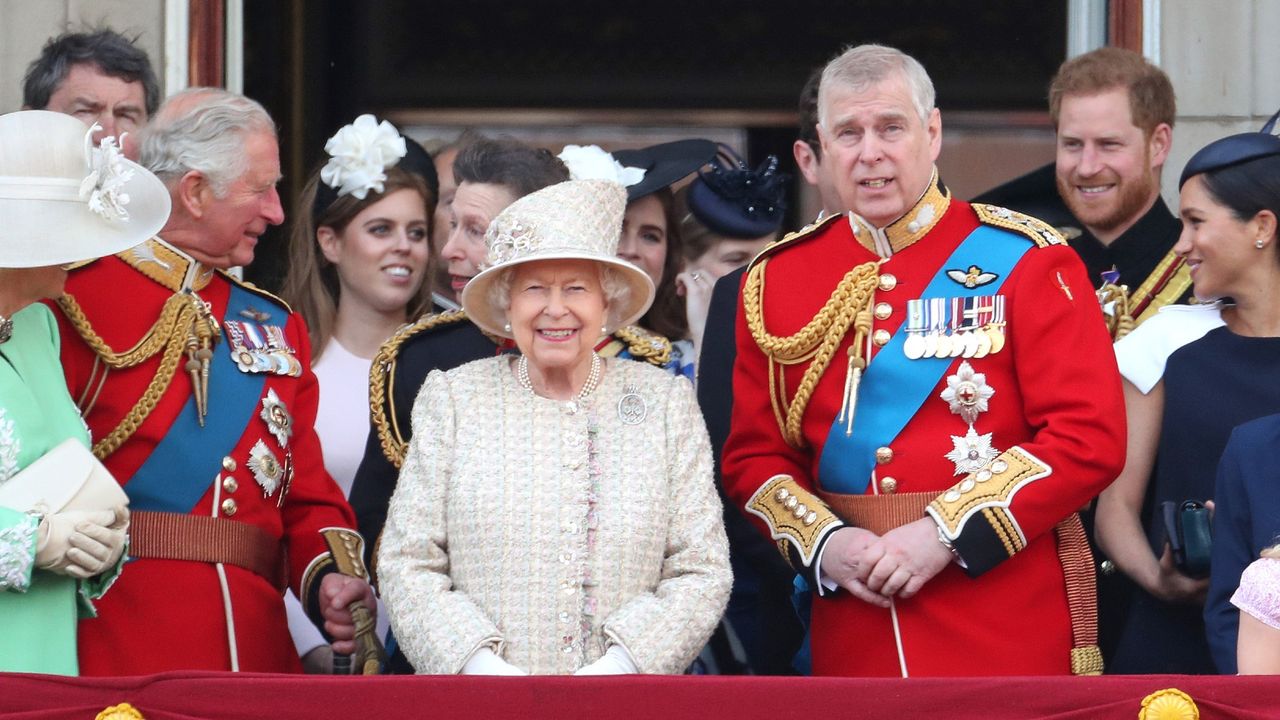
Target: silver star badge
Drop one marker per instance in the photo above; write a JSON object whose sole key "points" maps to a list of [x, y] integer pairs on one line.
{"points": [[267, 470], [972, 452], [277, 417], [967, 393]]}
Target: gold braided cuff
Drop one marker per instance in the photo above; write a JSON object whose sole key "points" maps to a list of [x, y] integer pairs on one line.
{"points": [[988, 494], [309, 589], [347, 548], [797, 518]]}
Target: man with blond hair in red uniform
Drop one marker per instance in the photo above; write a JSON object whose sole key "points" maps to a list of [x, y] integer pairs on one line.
{"points": [[924, 395], [199, 392]]}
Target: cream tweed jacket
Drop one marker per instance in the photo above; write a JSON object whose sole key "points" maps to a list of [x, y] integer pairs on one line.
{"points": [[548, 531]]}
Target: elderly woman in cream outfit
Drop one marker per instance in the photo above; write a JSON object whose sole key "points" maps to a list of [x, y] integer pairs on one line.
{"points": [[556, 512]]}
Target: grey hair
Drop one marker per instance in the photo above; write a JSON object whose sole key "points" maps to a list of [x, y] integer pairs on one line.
{"points": [[859, 68], [617, 292], [203, 129]]}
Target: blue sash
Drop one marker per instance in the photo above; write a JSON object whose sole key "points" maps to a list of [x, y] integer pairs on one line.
{"points": [[172, 479], [894, 386]]}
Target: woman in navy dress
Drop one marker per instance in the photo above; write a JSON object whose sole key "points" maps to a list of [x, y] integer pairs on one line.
{"points": [[1190, 380]]}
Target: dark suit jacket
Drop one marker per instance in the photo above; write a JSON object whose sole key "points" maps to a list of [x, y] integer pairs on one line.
{"points": [[1246, 520]]}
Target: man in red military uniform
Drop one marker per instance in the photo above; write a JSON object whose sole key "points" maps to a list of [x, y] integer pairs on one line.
{"points": [[923, 397], [200, 398]]}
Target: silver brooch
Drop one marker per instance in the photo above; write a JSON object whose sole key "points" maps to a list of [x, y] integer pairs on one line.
{"points": [[967, 394], [267, 470], [972, 452], [277, 417], [632, 409]]}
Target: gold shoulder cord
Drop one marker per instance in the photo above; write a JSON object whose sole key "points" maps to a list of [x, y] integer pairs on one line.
{"points": [[645, 345], [848, 306], [382, 382], [184, 324]]}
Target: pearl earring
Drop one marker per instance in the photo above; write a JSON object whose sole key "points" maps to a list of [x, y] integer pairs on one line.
{"points": [[507, 327], [604, 329], [1260, 244]]}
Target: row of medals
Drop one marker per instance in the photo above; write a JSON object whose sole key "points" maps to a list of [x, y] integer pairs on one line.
{"points": [[982, 339]]}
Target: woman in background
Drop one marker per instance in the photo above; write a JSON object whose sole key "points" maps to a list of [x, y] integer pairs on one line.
{"points": [[729, 214], [359, 258], [651, 240], [1192, 374]]}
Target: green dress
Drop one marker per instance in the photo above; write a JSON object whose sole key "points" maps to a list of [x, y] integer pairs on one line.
{"points": [[38, 609]]}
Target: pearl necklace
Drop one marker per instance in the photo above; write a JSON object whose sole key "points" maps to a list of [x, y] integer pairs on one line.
{"points": [[593, 377]]}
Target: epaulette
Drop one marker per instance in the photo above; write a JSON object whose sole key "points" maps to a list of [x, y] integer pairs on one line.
{"points": [[382, 381], [256, 290], [791, 238], [1040, 232], [643, 344], [71, 267]]}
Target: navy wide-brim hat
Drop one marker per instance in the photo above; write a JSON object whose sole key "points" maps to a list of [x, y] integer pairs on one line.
{"points": [[1229, 151], [665, 164]]}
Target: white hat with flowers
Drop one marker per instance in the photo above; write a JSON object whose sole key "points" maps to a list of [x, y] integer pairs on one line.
{"points": [[573, 220], [63, 199]]}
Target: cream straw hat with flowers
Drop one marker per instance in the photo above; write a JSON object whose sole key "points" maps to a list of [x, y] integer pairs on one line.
{"points": [[573, 220]]}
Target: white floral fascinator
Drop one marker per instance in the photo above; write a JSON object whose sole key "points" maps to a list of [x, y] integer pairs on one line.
{"points": [[359, 155], [591, 162]]}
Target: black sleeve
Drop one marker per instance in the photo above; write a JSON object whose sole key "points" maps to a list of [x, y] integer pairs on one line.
{"points": [[715, 365]]}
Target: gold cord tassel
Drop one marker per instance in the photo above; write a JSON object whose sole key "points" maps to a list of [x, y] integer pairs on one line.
{"points": [[816, 342], [203, 335], [853, 373]]}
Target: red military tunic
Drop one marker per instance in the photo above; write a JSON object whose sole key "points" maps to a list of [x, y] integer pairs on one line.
{"points": [[1057, 398], [168, 614]]}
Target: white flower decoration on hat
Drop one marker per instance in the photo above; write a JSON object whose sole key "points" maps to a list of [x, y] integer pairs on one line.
{"points": [[103, 187], [591, 162], [359, 154]]}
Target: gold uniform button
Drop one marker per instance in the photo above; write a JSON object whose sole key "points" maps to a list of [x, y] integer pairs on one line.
{"points": [[888, 485], [888, 281], [881, 337], [229, 507], [229, 484], [884, 455], [883, 311], [228, 464]]}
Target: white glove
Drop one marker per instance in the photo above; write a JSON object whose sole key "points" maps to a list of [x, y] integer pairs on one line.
{"points": [[81, 543], [615, 661], [486, 662]]}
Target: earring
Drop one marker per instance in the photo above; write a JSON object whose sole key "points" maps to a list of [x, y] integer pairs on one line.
{"points": [[1260, 244], [604, 329], [507, 327]]}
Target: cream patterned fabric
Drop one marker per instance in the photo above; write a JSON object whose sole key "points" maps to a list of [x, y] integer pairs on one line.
{"points": [[548, 531]]}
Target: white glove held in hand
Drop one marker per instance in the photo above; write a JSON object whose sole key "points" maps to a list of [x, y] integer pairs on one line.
{"points": [[486, 662], [81, 543], [615, 661]]}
